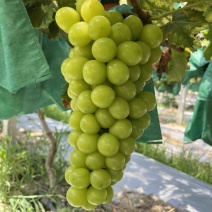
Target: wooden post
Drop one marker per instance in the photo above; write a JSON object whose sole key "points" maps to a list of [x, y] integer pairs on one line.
{"points": [[9, 128], [181, 104]]}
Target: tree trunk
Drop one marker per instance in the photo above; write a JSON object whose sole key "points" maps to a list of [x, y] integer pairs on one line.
{"points": [[181, 104], [9, 128]]}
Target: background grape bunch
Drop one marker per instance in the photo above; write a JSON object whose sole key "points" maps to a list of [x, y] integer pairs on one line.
{"points": [[108, 66]]}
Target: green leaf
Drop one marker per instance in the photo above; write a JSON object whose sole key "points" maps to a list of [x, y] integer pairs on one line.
{"points": [[156, 7], [208, 50], [48, 15], [41, 16], [176, 67], [183, 27], [208, 13]]}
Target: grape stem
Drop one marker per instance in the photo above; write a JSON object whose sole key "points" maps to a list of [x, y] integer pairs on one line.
{"points": [[152, 18], [144, 16]]}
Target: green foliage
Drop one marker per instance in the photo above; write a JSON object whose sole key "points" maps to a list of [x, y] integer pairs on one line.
{"points": [[181, 30], [156, 7], [177, 67], [23, 176]]}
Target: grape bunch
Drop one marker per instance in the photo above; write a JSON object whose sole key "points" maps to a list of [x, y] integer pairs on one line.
{"points": [[108, 66]]}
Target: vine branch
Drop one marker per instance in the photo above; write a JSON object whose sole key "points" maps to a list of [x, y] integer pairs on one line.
{"points": [[144, 16], [52, 150]]}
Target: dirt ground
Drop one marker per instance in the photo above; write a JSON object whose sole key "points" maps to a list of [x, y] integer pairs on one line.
{"points": [[135, 202]]}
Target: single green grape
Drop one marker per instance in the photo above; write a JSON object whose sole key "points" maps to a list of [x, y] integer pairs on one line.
{"points": [[117, 72], [108, 144], [104, 118], [65, 17], [139, 84], [80, 178], [78, 34], [149, 98], [95, 161], [77, 159], [79, 5], [156, 54], [103, 96], [84, 102], [96, 196], [145, 121], [152, 35], [135, 72], [115, 162], [76, 87], [110, 194], [94, 72], [113, 16], [98, 27], [87, 143], [90, 9], [137, 130], [119, 109], [122, 128], [146, 52], [73, 68], [89, 124], [84, 51], [146, 72], [116, 175], [127, 146], [88, 206], [120, 32], [135, 24], [73, 136], [75, 118], [137, 107], [100, 179], [73, 195], [104, 49], [68, 174], [73, 105], [126, 91], [129, 52]]}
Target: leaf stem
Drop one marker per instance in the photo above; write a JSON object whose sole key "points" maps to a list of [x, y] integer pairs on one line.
{"points": [[173, 11]]}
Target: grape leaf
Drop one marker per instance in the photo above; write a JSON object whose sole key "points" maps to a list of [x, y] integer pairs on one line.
{"points": [[156, 7], [181, 30], [41, 16], [176, 67], [208, 14], [208, 50], [48, 16]]}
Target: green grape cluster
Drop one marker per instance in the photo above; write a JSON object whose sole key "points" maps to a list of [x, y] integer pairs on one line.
{"points": [[106, 71]]}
